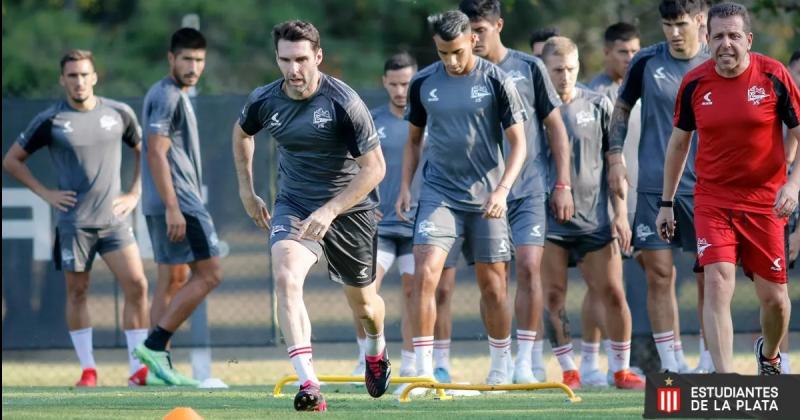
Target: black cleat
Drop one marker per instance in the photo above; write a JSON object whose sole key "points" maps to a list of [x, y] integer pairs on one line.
{"points": [[377, 374], [764, 366], [310, 398]]}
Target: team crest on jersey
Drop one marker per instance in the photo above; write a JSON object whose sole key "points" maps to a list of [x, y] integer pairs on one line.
{"points": [[479, 92], [321, 117], [432, 96], [583, 118], [756, 94], [516, 76], [274, 121], [659, 73], [107, 122], [67, 127], [381, 132]]}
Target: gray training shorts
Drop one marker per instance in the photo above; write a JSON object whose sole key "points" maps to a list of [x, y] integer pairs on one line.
{"points": [[200, 242], [76, 247]]}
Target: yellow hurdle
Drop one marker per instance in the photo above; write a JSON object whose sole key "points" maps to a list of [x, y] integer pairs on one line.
{"points": [[480, 387], [277, 392]]}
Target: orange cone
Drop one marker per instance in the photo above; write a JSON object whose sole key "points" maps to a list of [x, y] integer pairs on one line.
{"points": [[182, 413]]}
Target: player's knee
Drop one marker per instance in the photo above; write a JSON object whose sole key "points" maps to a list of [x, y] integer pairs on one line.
{"points": [[615, 298], [776, 302], [78, 291], [137, 289], [443, 293], [494, 295], [212, 277], [554, 299]]}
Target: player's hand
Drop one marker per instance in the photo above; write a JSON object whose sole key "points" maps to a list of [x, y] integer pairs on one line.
{"points": [[256, 209], [786, 202], [123, 205], [378, 215], [496, 205], [61, 200], [618, 178], [403, 204], [562, 205], [665, 222], [621, 231], [794, 244], [176, 225], [316, 225]]}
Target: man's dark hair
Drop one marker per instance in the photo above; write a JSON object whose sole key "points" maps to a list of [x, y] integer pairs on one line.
{"points": [[449, 25], [621, 31], [542, 35], [296, 30], [187, 38], [795, 56], [76, 55], [673, 9], [399, 61], [729, 9], [481, 9]]}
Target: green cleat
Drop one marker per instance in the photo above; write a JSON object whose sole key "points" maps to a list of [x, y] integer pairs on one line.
{"points": [[158, 362], [184, 380]]}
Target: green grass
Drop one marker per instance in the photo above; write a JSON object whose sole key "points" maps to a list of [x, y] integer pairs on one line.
{"points": [[343, 401]]}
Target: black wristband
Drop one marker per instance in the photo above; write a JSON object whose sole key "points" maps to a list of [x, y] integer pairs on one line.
{"points": [[663, 203]]}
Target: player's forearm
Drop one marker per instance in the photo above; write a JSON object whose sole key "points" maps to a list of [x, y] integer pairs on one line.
{"points": [[369, 176], [619, 205], [790, 148], [162, 178], [412, 153], [675, 161], [243, 149], [20, 171], [516, 155], [559, 145], [136, 183], [618, 130]]}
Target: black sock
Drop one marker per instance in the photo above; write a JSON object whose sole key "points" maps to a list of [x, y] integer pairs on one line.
{"points": [[157, 340]]}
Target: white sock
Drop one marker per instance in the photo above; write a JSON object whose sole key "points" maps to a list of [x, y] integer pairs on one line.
{"points": [[589, 356], [564, 355], [441, 354], [702, 342], [362, 348], [423, 351], [408, 363], [537, 355], [665, 343], [499, 353], [303, 365], [680, 359], [785, 370], [134, 338], [375, 344], [82, 341], [525, 340], [706, 362], [607, 348], [621, 356]]}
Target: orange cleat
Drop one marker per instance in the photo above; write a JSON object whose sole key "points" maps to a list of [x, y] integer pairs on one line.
{"points": [[572, 379], [88, 378], [625, 379]]}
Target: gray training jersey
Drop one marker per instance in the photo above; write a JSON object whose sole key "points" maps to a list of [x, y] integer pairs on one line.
{"points": [[586, 118], [540, 99], [319, 139], [655, 76], [168, 112], [85, 148], [393, 134], [465, 118]]}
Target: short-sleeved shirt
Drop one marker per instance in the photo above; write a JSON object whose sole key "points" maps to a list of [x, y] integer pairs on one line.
{"points": [[540, 99], [85, 147], [654, 75], [586, 118], [741, 162], [319, 139], [465, 117], [168, 112], [393, 134]]}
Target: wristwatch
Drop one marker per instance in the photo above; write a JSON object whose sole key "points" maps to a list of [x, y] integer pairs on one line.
{"points": [[662, 203]]}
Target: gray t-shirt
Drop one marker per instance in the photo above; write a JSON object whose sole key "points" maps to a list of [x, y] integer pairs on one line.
{"points": [[86, 154], [319, 139], [540, 99], [168, 112], [465, 117], [655, 76], [586, 118]]}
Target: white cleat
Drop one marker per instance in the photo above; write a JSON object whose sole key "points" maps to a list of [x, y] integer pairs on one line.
{"points": [[523, 374], [540, 373], [497, 377], [359, 370], [594, 378]]}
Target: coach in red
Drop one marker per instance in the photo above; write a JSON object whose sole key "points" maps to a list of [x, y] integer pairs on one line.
{"points": [[737, 101]]}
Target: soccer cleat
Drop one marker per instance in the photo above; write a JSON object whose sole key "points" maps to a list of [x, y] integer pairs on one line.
{"points": [[634, 369], [593, 378], [442, 375], [684, 368], [523, 374], [572, 379], [88, 378], [377, 374], [157, 362], [183, 380], [540, 373], [309, 398], [764, 366], [144, 377], [626, 379], [497, 377]]}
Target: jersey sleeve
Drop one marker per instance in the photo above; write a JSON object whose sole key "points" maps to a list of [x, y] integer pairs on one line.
{"points": [[161, 113], [250, 119], [510, 107], [788, 105], [357, 127], [38, 134], [546, 99], [605, 108], [415, 111], [684, 117], [631, 89], [132, 131]]}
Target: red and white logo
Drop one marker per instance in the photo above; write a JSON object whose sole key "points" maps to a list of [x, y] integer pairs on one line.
{"points": [[668, 400], [756, 94]]}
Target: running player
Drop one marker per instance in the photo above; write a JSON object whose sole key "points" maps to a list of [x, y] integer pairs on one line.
{"points": [[791, 145], [466, 103], [737, 102], [588, 239], [84, 134], [331, 164], [526, 201], [654, 76], [180, 227]]}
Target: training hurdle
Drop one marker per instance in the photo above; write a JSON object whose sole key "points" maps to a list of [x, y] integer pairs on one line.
{"points": [[277, 392], [571, 397]]}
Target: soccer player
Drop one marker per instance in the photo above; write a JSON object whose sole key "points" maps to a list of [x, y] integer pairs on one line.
{"points": [[591, 239], [539, 37], [466, 103], [737, 102], [180, 227], [526, 200], [654, 76], [84, 134], [331, 163]]}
